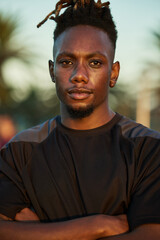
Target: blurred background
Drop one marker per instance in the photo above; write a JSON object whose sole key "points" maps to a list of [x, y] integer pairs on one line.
{"points": [[27, 95]]}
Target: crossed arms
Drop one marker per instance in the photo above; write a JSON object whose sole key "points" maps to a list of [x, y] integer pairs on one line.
{"points": [[86, 228]]}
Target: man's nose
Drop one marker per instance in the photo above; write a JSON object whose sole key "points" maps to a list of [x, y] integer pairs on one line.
{"points": [[79, 74]]}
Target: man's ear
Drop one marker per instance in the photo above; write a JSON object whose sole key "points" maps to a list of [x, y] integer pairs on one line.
{"points": [[114, 74], [51, 70]]}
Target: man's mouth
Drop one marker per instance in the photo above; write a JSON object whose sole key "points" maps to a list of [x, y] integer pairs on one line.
{"points": [[79, 93]]}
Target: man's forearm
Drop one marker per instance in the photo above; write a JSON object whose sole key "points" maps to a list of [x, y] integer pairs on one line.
{"points": [[39, 231], [74, 229], [89, 228]]}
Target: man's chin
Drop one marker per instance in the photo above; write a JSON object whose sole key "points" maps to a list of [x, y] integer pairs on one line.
{"points": [[78, 113]]}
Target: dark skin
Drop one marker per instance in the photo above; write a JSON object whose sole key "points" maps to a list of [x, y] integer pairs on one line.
{"points": [[83, 72]]}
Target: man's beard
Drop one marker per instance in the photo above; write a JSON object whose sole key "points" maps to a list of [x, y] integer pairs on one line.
{"points": [[80, 113]]}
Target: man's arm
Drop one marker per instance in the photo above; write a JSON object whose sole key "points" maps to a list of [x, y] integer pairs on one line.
{"points": [[89, 228], [146, 231]]}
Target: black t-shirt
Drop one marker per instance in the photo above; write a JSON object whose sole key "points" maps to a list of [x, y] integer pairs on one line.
{"points": [[64, 173]]}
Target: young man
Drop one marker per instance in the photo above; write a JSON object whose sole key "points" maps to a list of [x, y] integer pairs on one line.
{"points": [[90, 172]]}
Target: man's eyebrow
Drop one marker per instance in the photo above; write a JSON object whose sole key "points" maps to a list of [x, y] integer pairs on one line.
{"points": [[89, 55], [97, 53], [68, 54]]}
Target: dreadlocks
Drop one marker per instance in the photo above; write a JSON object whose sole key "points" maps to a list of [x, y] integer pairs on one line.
{"points": [[83, 12]]}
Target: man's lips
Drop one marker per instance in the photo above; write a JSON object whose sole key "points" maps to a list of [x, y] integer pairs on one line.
{"points": [[79, 93]]}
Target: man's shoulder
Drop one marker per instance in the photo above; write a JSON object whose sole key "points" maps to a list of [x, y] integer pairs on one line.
{"points": [[37, 133], [132, 129]]}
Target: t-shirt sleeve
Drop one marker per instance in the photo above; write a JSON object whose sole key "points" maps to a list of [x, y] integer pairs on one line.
{"points": [[13, 197], [144, 205]]}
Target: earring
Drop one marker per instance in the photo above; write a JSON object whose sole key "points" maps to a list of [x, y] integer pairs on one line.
{"points": [[111, 84]]}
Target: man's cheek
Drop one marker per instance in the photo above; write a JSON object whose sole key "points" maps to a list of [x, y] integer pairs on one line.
{"points": [[60, 92]]}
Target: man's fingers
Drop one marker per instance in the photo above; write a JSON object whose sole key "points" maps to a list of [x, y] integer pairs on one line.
{"points": [[122, 226]]}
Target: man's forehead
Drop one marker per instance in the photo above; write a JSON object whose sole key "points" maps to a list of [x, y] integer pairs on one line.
{"points": [[83, 38]]}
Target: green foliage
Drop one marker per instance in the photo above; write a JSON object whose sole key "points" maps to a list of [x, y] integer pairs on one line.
{"points": [[9, 48], [122, 100], [34, 109]]}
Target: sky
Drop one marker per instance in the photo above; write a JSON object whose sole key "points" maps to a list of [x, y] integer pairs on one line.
{"points": [[135, 20]]}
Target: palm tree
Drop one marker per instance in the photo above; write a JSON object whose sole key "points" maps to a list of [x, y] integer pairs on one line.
{"points": [[156, 65], [9, 26], [156, 89], [150, 90]]}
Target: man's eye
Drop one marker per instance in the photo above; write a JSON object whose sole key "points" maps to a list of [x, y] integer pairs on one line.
{"points": [[65, 62], [95, 63]]}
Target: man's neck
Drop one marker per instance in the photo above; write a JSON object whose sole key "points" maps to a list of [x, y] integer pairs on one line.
{"points": [[93, 121]]}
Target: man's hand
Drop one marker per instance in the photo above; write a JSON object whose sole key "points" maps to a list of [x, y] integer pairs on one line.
{"points": [[26, 214], [116, 225]]}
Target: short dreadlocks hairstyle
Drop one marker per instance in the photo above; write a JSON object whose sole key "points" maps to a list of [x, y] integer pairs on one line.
{"points": [[83, 12]]}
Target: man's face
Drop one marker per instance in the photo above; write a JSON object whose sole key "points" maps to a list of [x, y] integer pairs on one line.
{"points": [[83, 65]]}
